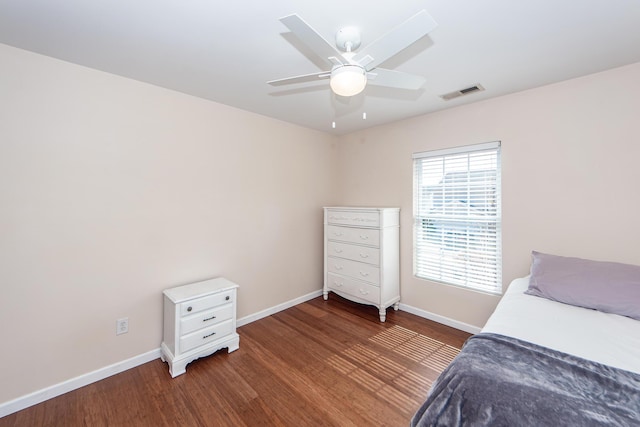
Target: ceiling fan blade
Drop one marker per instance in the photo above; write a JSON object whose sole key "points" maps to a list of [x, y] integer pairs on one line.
{"points": [[395, 79], [399, 38], [300, 79], [313, 40]]}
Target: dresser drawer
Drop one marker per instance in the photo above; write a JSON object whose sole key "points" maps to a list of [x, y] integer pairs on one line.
{"points": [[204, 303], [205, 318], [362, 236], [358, 270], [359, 219], [354, 287], [204, 336], [354, 252]]}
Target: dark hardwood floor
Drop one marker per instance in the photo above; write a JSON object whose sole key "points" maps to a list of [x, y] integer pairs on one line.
{"points": [[319, 363]]}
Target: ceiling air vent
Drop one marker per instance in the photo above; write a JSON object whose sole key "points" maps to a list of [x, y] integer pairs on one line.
{"points": [[462, 92]]}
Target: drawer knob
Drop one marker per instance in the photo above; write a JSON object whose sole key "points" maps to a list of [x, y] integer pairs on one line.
{"points": [[338, 267], [208, 318], [364, 273], [189, 308], [364, 255], [363, 292], [337, 284], [339, 251], [364, 237], [207, 336], [227, 298]]}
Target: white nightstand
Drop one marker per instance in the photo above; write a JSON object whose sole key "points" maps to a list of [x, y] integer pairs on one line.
{"points": [[199, 319]]}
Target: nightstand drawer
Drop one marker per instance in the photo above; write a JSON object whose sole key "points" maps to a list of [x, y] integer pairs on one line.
{"points": [[356, 288], [354, 252], [362, 236], [205, 318], [357, 270], [204, 336], [195, 305]]}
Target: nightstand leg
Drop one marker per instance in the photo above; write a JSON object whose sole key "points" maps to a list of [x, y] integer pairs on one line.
{"points": [[383, 314], [396, 306], [325, 295]]}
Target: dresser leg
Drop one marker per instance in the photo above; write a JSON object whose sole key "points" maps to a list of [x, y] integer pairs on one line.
{"points": [[396, 306], [325, 295], [178, 368], [383, 314]]}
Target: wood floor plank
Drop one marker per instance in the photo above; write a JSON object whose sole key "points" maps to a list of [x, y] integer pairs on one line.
{"points": [[321, 363], [306, 392]]}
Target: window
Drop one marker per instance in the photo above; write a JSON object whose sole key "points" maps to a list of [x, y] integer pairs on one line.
{"points": [[457, 226]]}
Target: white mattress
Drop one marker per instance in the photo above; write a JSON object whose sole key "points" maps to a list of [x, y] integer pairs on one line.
{"points": [[606, 338]]}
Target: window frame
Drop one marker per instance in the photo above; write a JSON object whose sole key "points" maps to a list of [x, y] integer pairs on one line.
{"points": [[471, 236]]}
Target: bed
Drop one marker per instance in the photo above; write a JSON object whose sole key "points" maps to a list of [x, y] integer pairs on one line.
{"points": [[542, 362]]}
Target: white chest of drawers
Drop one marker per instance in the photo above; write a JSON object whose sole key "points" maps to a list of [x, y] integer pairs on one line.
{"points": [[199, 319], [361, 255]]}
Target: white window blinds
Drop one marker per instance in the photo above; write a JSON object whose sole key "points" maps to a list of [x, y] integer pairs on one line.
{"points": [[457, 226]]}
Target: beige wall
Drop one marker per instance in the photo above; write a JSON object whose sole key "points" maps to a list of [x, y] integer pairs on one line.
{"points": [[112, 190], [570, 177]]}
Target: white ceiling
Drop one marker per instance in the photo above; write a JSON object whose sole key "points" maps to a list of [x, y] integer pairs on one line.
{"points": [[227, 51]]}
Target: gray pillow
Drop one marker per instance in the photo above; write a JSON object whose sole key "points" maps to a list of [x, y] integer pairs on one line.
{"points": [[610, 287]]}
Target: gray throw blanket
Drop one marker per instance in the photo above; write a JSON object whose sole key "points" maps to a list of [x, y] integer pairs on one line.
{"points": [[502, 381]]}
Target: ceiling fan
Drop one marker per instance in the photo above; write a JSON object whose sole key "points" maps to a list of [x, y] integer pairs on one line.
{"points": [[350, 71]]}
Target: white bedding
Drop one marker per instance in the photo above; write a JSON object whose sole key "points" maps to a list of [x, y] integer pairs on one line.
{"points": [[606, 338]]}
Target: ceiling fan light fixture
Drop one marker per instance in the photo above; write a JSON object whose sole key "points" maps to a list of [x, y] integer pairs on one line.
{"points": [[348, 80]]}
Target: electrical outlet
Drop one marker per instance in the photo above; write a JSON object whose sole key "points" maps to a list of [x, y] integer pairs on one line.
{"points": [[122, 326]]}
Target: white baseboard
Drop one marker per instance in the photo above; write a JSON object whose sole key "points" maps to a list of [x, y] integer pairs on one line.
{"points": [[273, 310], [36, 397], [440, 319], [39, 396]]}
